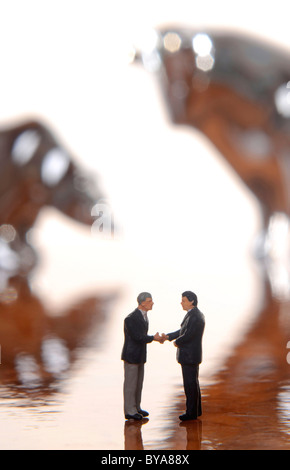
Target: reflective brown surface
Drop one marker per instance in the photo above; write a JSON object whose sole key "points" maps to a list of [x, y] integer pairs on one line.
{"points": [[61, 382], [40, 346]]}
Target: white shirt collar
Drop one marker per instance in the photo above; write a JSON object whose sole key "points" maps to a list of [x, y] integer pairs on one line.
{"points": [[144, 313]]}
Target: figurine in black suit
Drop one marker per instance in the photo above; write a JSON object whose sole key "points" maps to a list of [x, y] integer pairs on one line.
{"points": [[188, 340], [134, 355]]}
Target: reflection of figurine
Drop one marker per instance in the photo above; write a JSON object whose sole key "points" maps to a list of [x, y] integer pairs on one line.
{"points": [[236, 91], [36, 171], [134, 356], [188, 340], [39, 349], [133, 435], [193, 434]]}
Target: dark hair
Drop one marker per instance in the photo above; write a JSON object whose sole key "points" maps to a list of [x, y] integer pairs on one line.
{"points": [[191, 296]]}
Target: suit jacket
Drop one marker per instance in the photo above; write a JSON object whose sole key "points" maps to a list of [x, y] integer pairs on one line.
{"points": [[189, 337], [136, 338]]}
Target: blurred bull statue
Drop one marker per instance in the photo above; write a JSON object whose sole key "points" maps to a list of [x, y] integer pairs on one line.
{"points": [[235, 90], [36, 171], [38, 346]]}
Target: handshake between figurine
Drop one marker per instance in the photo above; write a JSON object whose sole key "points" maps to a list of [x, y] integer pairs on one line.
{"points": [[161, 338]]}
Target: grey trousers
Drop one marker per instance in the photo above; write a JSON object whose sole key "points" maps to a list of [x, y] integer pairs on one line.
{"points": [[133, 383]]}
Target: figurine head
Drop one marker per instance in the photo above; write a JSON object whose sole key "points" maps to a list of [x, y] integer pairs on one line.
{"points": [[189, 300], [145, 301]]}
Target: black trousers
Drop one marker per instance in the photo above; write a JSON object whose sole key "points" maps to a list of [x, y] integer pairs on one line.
{"points": [[191, 388]]}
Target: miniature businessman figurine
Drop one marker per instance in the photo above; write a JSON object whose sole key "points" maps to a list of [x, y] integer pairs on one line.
{"points": [[134, 356], [188, 340]]}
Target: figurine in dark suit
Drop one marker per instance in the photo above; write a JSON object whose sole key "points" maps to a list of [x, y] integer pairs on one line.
{"points": [[188, 340], [134, 355]]}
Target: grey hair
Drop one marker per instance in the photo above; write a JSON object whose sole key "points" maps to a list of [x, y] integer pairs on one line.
{"points": [[142, 297]]}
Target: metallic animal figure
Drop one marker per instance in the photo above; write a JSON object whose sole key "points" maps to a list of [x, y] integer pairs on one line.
{"points": [[39, 345], [236, 91], [36, 171]]}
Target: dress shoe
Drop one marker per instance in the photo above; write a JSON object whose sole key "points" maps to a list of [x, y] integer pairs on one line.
{"points": [[186, 417], [143, 413], [136, 416]]}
